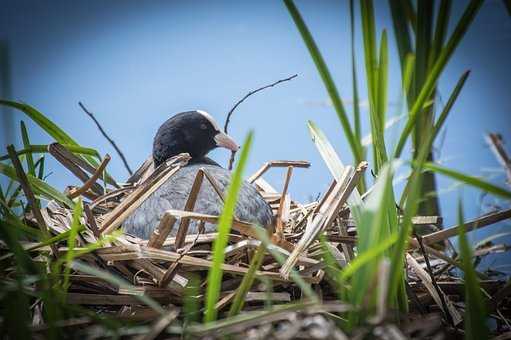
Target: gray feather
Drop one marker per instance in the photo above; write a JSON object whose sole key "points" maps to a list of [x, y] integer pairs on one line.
{"points": [[251, 207]]}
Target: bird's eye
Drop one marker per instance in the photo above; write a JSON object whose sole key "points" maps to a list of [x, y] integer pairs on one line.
{"points": [[203, 126]]}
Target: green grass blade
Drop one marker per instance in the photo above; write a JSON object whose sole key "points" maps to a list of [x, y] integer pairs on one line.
{"points": [[71, 242], [430, 83], [334, 164], [26, 144], [408, 72], [191, 305], [332, 160], [448, 106], [410, 13], [246, 283], [375, 93], [40, 163], [224, 227], [429, 140], [43, 148], [368, 256], [369, 37], [55, 239], [10, 222], [475, 311], [372, 228], [423, 42], [442, 24], [409, 201], [422, 58], [51, 128], [396, 275], [401, 31], [41, 120], [332, 268], [10, 235], [39, 187], [376, 233], [356, 99], [14, 300], [356, 147], [469, 180], [383, 74]]}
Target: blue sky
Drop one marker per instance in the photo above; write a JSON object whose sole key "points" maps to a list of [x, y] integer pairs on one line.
{"points": [[135, 63]]}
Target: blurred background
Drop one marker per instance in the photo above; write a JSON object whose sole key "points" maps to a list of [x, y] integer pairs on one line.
{"points": [[134, 64]]}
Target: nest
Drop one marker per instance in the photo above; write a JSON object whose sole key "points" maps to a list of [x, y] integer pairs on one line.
{"points": [[162, 267]]}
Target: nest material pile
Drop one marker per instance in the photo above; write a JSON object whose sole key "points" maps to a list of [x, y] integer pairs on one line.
{"points": [[161, 267]]}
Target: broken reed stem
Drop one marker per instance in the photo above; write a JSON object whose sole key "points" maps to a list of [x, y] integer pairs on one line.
{"points": [[183, 228], [276, 164], [214, 184], [433, 279], [93, 225], [426, 280], [76, 165], [29, 195], [327, 213], [110, 140], [189, 205], [280, 223], [90, 182], [476, 223], [160, 234], [171, 272]]}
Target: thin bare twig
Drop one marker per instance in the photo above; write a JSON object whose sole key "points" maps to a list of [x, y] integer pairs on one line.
{"points": [[228, 119], [110, 140]]}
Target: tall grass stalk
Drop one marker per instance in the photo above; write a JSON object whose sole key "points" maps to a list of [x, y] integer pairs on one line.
{"points": [[52, 129], [224, 227], [475, 308], [248, 280], [355, 144]]}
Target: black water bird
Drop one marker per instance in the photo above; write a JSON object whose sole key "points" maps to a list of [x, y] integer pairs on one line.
{"points": [[195, 133]]}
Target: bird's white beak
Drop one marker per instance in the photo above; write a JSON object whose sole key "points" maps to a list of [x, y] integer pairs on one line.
{"points": [[225, 141]]}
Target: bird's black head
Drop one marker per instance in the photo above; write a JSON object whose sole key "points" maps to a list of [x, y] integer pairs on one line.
{"points": [[193, 132]]}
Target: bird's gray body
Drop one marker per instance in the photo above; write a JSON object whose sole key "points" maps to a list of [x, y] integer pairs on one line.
{"points": [[251, 207]]}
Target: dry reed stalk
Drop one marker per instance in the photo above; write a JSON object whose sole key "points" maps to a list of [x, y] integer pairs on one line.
{"points": [[426, 280], [327, 213], [114, 219], [482, 221], [29, 194], [74, 164], [276, 164], [163, 230], [92, 180]]}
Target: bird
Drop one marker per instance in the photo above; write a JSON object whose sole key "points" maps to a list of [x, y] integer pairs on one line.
{"points": [[196, 133]]}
